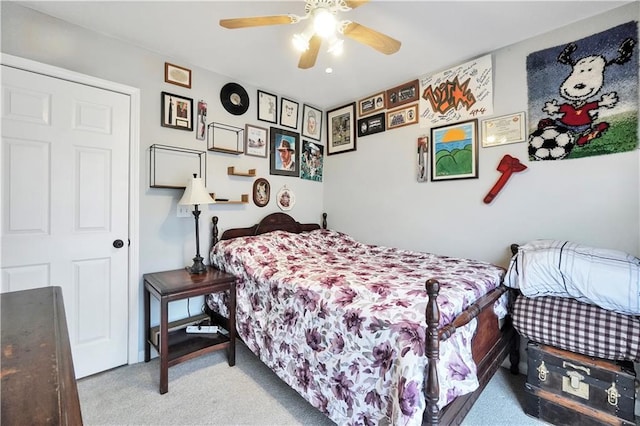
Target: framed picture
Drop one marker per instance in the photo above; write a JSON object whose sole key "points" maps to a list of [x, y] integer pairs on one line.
{"points": [[261, 192], [177, 112], [201, 132], [312, 122], [403, 94], [372, 124], [311, 161], [255, 140], [267, 107], [177, 75], [454, 151], [371, 104], [504, 130], [285, 152], [341, 134], [402, 116], [289, 113], [285, 198]]}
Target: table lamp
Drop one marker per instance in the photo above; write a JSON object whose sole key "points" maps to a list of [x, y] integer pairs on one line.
{"points": [[196, 194]]}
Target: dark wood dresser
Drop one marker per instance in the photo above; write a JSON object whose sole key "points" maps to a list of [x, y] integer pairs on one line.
{"points": [[38, 381]]}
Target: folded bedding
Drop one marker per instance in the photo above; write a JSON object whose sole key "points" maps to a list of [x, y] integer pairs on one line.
{"points": [[606, 278]]}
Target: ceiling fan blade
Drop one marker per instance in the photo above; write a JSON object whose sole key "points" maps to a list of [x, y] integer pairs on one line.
{"points": [[356, 3], [257, 21], [308, 57], [381, 42]]}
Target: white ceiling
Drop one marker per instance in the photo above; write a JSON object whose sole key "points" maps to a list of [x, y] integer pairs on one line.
{"points": [[434, 35]]}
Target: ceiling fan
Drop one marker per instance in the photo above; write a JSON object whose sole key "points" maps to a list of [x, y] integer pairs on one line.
{"points": [[323, 25]]}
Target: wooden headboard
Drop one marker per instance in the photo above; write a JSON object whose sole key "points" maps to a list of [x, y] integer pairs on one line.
{"points": [[272, 222]]}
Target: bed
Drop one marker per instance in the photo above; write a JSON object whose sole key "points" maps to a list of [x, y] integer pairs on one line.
{"points": [[577, 298], [367, 334]]}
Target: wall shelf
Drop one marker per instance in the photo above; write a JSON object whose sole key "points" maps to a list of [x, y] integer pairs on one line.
{"points": [[244, 199], [225, 138], [231, 171], [172, 166]]}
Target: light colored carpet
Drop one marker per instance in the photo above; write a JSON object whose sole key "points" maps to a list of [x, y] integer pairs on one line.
{"points": [[206, 391]]}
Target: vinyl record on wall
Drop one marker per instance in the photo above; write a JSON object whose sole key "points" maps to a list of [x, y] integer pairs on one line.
{"points": [[234, 98]]}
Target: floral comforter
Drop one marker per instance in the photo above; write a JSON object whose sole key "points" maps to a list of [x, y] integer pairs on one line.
{"points": [[343, 323]]}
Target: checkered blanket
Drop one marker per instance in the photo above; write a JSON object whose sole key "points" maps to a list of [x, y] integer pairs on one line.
{"points": [[578, 327]]}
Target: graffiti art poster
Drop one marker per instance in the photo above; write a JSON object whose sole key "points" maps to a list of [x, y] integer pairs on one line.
{"points": [[457, 94]]}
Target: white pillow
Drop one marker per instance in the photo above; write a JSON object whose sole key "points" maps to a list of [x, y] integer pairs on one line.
{"points": [[606, 278]]}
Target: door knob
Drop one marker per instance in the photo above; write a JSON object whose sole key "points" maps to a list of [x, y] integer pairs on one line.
{"points": [[118, 244]]}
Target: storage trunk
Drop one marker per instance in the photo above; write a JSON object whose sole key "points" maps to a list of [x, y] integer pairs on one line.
{"points": [[564, 388]]}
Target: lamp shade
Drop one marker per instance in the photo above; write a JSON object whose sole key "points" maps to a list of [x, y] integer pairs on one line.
{"points": [[196, 193]]}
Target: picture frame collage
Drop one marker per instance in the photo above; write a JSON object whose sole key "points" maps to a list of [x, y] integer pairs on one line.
{"points": [[398, 107], [294, 147], [290, 133], [389, 109], [291, 140]]}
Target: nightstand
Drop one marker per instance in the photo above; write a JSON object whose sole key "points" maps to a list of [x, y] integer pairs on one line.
{"points": [[179, 346]]}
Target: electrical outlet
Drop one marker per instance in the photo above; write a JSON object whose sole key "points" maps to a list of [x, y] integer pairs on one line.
{"points": [[184, 210]]}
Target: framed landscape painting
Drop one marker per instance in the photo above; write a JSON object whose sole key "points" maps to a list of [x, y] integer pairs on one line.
{"points": [[454, 151]]}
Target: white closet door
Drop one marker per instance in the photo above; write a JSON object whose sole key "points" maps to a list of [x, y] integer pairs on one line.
{"points": [[64, 193]]}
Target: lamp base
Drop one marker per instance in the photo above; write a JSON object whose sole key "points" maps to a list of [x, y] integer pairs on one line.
{"points": [[198, 267]]}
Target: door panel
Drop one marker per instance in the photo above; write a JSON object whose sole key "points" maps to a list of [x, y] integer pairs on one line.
{"points": [[64, 186]]}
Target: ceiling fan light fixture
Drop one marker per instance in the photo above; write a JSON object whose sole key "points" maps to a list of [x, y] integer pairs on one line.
{"points": [[324, 22], [336, 46], [301, 40]]}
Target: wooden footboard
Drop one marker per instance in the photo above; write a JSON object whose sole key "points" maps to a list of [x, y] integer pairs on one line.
{"points": [[490, 346]]}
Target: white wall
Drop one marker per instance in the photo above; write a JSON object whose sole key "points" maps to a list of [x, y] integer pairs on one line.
{"points": [[373, 195], [166, 242]]}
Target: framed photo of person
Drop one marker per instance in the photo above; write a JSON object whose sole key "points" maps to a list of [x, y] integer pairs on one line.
{"points": [[177, 112], [289, 113], [311, 122], [285, 152], [267, 107], [341, 129], [311, 161]]}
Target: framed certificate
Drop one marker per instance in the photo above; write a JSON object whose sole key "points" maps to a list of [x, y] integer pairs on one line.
{"points": [[504, 130]]}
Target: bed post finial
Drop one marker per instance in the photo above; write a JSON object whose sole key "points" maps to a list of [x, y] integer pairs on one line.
{"points": [[432, 385], [324, 221], [214, 231]]}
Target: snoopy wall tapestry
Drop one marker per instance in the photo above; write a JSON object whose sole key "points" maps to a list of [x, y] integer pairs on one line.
{"points": [[583, 96]]}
